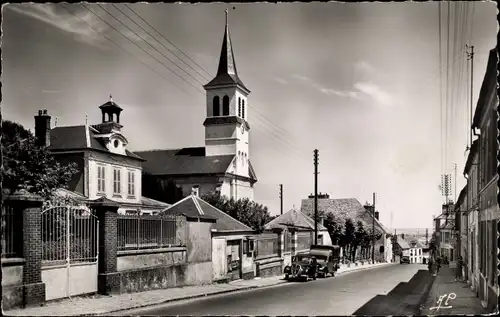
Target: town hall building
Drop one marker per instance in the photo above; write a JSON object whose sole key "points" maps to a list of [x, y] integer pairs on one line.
{"points": [[223, 164]]}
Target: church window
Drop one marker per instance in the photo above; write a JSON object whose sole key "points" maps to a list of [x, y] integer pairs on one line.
{"points": [[216, 106], [239, 107], [243, 108], [225, 106]]}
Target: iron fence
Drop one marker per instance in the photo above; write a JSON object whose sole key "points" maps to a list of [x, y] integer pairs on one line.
{"points": [[69, 235], [12, 232], [147, 232]]}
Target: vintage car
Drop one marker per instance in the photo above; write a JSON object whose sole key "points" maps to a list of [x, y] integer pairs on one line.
{"points": [[300, 269], [327, 259]]}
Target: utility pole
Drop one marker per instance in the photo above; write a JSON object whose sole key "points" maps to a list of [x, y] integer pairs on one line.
{"points": [[373, 228], [426, 237], [316, 197], [281, 197], [455, 169], [471, 57]]}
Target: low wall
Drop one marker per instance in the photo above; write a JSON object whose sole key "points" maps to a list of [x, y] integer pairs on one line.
{"points": [[141, 270], [269, 267], [12, 283], [199, 273]]}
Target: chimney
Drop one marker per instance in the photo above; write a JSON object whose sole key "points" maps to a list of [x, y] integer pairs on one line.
{"points": [[403, 236], [42, 128], [376, 215]]}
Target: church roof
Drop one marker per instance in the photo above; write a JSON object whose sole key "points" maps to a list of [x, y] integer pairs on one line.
{"points": [[293, 218], [227, 74], [79, 137], [186, 161], [195, 207]]}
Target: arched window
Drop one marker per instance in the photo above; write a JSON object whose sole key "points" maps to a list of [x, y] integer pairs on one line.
{"points": [[225, 106], [216, 106], [239, 107], [243, 108]]}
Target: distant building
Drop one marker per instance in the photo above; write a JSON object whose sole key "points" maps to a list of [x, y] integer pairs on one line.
{"points": [[351, 208]]}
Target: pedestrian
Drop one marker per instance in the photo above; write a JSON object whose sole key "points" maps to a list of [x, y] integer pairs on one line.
{"points": [[314, 266], [429, 265], [438, 263], [458, 269]]}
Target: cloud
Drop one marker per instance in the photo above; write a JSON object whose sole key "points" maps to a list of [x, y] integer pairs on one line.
{"points": [[375, 92], [361, 88], [324, 90], [364, 67], [280, 80], [77, 24]]}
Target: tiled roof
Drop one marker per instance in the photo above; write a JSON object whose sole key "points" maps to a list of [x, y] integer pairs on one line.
{"points": [[195, 207], [145, 201], [341, 208], [185, 161], [293, 218], [75, 138], [153, 202], [403, 243]]}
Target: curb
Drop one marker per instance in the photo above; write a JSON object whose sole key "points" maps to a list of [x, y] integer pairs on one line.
{"points": [[243, 288], [425, 296], [363, 268]]}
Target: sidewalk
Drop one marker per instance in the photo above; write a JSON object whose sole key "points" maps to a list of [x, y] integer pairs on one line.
{"points": [[464, 302], [101, 304]]}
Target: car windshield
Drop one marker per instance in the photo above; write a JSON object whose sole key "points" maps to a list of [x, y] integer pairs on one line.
{"points": [[303, 258]]}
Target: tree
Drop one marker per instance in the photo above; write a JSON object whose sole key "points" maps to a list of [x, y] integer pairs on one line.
{"points": [[334, 228], [244, 210], [359, 237], [161, 190], [29, 167], [348, 237]]}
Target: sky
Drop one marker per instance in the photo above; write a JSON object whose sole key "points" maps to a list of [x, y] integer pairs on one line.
{"points": [[360, 82]]}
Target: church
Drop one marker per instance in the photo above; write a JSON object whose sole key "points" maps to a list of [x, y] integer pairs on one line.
{"points": [[223, 164]]}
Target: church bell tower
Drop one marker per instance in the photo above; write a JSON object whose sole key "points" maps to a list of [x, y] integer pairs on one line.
{"points": [[226, 124]]}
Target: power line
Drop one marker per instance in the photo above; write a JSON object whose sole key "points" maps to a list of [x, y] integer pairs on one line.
{"points": [[139, 45], [440, 86], [140, 17], [122, 48], [154, 39]]}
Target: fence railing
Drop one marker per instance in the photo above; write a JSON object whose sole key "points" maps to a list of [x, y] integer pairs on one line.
{"points": [[12, 232], [147, 232], [69, 234], [267, 246]]}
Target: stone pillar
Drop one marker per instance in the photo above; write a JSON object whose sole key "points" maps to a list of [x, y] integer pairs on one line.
{"points": [[31, 208], [108, 279]]}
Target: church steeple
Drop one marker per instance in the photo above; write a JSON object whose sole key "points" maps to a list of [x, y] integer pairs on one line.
{"points": [[227, 74]]}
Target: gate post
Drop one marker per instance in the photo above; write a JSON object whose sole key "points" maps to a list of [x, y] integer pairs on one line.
{"points": [[293, 247], [108, 280], [33, 287]]}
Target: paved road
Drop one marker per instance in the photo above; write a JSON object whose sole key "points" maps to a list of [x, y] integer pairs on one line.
{"points": [[340, 295]]}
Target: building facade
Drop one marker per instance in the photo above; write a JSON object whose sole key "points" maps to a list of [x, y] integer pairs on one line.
{"points": [[223, 164], [472, 256], [105, 167], [484, 126]]}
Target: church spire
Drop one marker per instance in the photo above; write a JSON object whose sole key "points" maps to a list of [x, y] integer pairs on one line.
{"points": [[227, 63], [226, 72]]}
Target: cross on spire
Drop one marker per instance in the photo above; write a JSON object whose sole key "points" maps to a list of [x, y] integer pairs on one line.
{"points": [[110, 98], [226, 16]]}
